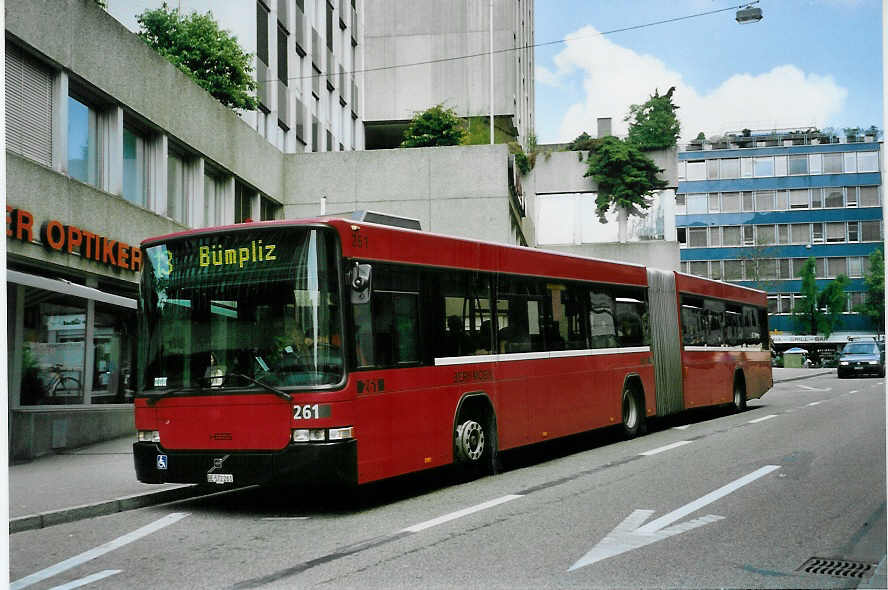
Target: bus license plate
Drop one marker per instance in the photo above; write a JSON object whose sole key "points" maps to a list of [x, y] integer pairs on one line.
{"points": [[220, 478]]}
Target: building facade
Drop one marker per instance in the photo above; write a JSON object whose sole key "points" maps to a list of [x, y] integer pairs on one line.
{"points": [[753, 208], [98, 160], [448, 44]]}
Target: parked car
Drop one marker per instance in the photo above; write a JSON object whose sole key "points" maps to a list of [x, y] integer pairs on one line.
{"points": [[860, 358]]}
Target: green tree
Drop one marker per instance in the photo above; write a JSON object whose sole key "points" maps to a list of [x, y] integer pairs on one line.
{"points": [[873, 306], [819, 311], [653, 124], [433, 127], [625, 177], [205, 53]]}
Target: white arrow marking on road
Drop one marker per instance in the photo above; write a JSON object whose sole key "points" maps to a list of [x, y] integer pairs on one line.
{"points": [[809, 388], [632, 533]]}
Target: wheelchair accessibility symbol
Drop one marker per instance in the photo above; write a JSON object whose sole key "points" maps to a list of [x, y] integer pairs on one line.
{"points": [[162, 462]]}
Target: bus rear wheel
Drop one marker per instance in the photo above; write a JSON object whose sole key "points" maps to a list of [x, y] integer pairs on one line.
{"points": [[739, 402], [633, 413]]}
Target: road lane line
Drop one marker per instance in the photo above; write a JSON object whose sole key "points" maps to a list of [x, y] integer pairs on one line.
{"points": [[459, 514], [682, 427], [87, 580], [286, 518], [853, 391], [666, 448], [815, 403], [78, 560], [763, 418]]}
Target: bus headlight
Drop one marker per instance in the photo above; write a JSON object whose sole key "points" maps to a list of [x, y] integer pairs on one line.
{"points": [[300, 435], [149, 436], [843, 363], [340, 433]]}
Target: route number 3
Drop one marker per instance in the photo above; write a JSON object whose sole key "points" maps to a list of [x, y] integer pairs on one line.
{"points": [[306, 412]]}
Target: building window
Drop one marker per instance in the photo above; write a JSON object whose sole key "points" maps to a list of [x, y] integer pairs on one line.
{"points": [[798, 164], [817, 233], [700, 268], [870, 231], [801, 233], [176, 201], [833, 198], [779, 165], [766, 235], [798, 198], [748, 202], [214, 201], [714, 203], [712, 169], [815, 163], [730, 202], [682, 170], [268, 209], [83, 152], [816, 198], [715, 236], [869, 196], [763, 166], [698, 203], [746, 167], [262, 33], [835, 232], [868, 162], [832, 163], [28, 106], [696, 170], [733, 270], [731, 235], [730, 168], [748, 235], [836, 267], [135, 167], [243, 204], [856, 298], [850, 162], [697, 237], [784, 269], [764, 201], [853, 231], [783, 234], [715, 270], [782, 201], [767, 268], [855, 266], [681, 207]]}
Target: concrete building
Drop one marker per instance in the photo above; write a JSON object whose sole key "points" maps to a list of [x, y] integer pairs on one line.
{"points": [[754, 206], [98, 160], [439, 36]]}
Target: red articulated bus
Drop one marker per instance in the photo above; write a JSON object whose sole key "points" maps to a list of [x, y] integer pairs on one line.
{"points": [[329, 350]]}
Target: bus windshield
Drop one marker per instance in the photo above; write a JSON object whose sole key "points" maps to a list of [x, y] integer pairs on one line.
{"points": [[245, 308]]}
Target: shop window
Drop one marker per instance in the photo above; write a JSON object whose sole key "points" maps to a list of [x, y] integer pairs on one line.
{"points": [[53, 349], [83, 148], [114, 348], [268, 209], [243, 203]]}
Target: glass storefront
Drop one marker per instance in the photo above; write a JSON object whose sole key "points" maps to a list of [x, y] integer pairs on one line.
{"points": [[68, 349]]}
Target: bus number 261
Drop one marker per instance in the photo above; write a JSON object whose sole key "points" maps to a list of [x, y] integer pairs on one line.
{"points": [[306, 412]]}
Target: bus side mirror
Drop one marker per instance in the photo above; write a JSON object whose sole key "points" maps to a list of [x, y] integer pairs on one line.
{"points": [[359, 280]]}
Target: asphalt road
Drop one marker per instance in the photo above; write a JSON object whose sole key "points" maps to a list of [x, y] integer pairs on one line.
{"points": [[706, 499]]}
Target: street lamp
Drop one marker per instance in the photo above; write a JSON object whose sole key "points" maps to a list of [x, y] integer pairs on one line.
{"points": [[748, 14]]}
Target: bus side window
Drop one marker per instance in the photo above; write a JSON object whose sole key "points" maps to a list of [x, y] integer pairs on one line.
{"points": [[387, 330], [457, 313], [602, 325]]}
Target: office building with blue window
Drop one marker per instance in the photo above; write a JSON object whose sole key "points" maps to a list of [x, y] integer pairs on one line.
{"points": [[752, 208]]}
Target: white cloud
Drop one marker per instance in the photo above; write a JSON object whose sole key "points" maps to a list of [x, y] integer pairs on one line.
{"points": [[614, 77]]}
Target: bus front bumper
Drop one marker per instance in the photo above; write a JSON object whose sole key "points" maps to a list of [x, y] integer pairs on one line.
{"points": [[299, 463]]}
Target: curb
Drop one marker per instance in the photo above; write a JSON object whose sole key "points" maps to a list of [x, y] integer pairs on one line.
{"points": [[54, 517], [804, 376]]}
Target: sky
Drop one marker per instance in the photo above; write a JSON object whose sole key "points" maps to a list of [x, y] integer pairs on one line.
{"points": [[806, 63]]}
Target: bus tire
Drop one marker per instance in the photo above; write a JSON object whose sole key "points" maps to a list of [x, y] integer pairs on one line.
{"points": [[633, 412], [475, 444], [739, 399]]}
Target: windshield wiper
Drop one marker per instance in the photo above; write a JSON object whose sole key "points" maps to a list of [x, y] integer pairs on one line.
{"points": [[281, 394], [152, 399]]}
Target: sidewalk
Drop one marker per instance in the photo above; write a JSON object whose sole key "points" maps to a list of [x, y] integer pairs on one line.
{"points": [[100, 479], [81, 483]]}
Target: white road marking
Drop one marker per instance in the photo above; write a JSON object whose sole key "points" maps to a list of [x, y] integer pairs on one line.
{"points": [[809, 388], [763, 418], [685, 427], [87, 580], [632, 533], [286, 518], [853, 391], [460, 513], [815, 403], [666, 448], [78, 560]]}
